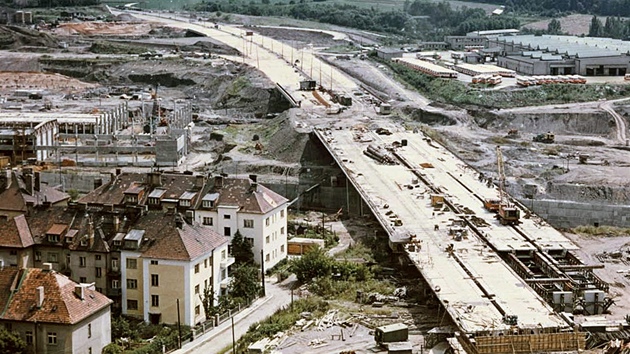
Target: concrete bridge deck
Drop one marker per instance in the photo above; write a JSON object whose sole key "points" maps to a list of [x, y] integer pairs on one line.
{"points": [[472, 282]]}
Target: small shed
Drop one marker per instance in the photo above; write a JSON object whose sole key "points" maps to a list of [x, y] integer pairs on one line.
{"points": [[297, 246]]}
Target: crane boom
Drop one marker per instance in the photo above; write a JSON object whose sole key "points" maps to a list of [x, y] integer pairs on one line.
{"points": [[501, 172]]}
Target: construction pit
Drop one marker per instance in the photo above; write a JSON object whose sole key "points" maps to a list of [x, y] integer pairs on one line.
{"points": [[242, 125]]}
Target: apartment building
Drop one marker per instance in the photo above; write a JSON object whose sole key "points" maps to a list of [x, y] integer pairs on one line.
{"points": [[258, 213], [52, 313], [165, 260]]}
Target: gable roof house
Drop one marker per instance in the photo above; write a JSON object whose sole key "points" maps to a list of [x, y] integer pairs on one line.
{"points": [[52, 313]]}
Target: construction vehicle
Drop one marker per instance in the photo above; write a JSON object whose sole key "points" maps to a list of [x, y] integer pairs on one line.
{"points": [[547, 138], [491, 204], [507, 214]]}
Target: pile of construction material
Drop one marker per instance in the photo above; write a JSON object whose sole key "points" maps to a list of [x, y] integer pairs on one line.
{"points": [[380, 154]]}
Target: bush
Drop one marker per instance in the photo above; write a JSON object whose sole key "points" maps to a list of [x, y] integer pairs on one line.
{"points": [[313, 264]]}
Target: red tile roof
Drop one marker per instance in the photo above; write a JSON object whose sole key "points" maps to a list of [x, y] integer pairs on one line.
{"points": [[15, 233], [61, 305], [242, 193], [167, 241]]}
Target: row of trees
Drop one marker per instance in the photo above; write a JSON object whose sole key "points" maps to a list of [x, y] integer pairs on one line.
{"points": [[421, 19], [613, 27]]}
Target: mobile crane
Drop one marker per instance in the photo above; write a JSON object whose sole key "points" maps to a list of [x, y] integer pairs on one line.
{"points": [[508, 214]]}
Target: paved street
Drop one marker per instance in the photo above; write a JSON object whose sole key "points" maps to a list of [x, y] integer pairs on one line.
{"points": [[278, 295]]}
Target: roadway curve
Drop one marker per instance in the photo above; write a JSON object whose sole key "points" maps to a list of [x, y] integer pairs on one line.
{"points": [[272, 57], [619, 121]]}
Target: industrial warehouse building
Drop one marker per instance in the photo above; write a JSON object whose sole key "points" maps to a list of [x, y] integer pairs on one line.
{"points": [[563, 55]]}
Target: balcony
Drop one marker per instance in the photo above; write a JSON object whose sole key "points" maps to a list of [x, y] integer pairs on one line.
{"points": [[226, 262], [225, 282], [113, 292]]}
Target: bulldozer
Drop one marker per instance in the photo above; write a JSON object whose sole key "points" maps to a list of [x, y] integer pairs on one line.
{"points": [[547, 138]]}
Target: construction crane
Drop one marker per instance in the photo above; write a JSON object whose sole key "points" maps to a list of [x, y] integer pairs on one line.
{"points": [[508, 214]]}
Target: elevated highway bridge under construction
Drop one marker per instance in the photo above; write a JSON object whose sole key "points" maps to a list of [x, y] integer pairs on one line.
{"points": [[507, 288]]}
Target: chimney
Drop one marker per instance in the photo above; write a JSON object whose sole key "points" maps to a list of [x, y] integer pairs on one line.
{"points": [[116, 223], [253, 186], [79, 291], [98, 182], [40, 296], [218, 182], [38, 181], [29, 182], [179, 221], [199, 181], [90, 232], [154, 179]]}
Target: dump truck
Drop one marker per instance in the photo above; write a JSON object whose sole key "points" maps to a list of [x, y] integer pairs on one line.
{"points": [[397, 332], [546, 138]]}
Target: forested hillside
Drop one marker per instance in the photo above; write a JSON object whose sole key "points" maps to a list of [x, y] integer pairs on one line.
{"points": [[597, 7]]}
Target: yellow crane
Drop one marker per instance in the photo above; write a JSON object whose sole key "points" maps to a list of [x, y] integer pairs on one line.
{"points": [[508, 214]]}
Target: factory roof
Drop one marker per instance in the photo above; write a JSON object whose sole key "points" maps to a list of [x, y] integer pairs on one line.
{"points": [[39, 117], [571, 45]]}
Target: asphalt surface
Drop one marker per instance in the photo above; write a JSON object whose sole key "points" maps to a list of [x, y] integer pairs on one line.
{"points": [[278, 296]]}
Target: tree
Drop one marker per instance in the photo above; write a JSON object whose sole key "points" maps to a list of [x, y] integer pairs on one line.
{"points": [[242, 249], [11, 343], [595, 29], [554, 27], [313, 264], [245, 283]]}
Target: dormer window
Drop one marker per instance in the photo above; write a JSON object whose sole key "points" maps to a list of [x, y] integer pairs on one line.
{"points": [[84, 242], [131, 199], [55, 233], [209, 200], [53, 238], [133, 239], [185, 200]]}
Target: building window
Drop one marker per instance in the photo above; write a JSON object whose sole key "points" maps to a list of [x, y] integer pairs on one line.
{"points": [[227, 231], [208, 204], [227, 216], [82, 262], [53, 238], [197, 289], [13, 252], [99, 272], [207, 220], [282, 230], [132, 304], [38, 256], [52, 338], [155, 280], [132, 263], [267, 258], [53, 257], [89, 330], [205, 284], [155, 300], [281, 213], [197, 310], [29, 337], [196, 268], [222, 255], [115, 284], [90, 350], [282, 249], [184, 202], [82, 280], [205, 263], [267, 239], [132, 284], [97, 257], [248, 223], [154, 262], [115, 264], [267, 222]]}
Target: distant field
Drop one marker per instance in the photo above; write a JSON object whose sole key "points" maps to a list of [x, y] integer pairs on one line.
{"points": [[378, 4], [572, 24]]}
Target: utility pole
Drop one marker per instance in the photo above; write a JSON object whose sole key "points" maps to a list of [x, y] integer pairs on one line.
{"points": [[179, 328], [262, 272], [233, 339]]}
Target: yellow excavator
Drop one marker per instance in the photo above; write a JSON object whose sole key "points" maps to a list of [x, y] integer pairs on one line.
{"points": [[507, 214]]}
